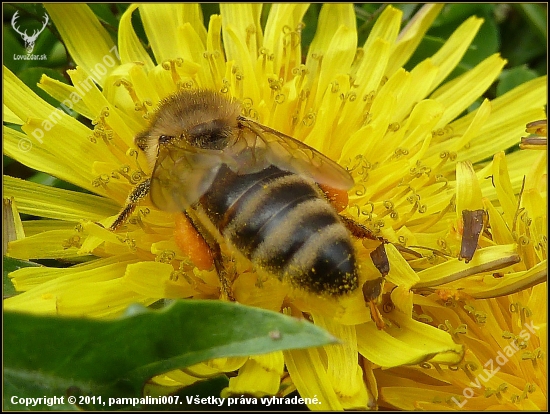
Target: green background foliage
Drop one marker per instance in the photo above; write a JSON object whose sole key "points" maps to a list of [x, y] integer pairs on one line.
{"points": [[52, 356]]}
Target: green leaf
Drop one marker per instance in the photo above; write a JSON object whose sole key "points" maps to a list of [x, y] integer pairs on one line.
{"points": [[310, 21], [458, 12], [484, 44], [46, 355], [31, 78], [536, 16], [408, 9], [9, 265], [511, 78], [523, 38], [105, 13]]}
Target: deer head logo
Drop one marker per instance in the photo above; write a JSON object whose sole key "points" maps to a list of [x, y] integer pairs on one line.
{"points": [[29, 40]]}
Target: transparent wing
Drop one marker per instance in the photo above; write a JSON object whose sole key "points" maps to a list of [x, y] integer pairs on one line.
{"points": [[182, 176], [266, 146]]}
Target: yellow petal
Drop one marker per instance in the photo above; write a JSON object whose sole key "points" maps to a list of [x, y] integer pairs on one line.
{"points": [[306, 369], [369, 74], [144, 90], [245, 21], [530, 94], [325, 125], [49, 129], [535, 205], [98, 104], [11, 220], [268, 296], [362, 142], [482, 115], [336, 42], [385, 28], [21, 100], [342, 369], [10, 117], [419, 127], [160, 19], [164, 384], [227, 364], [259, 376], [454, 48], [88, 43], [402, 298], [46, 286], [411, 396], [503, 187], [421, 77], [468, 192], [45, 201], [156, 280], [66, 95], [202, 369], [509, 114], [484, 260], [242, 69], [215, 51], [401, 272], [338, 56], [332, 16], [411, 36], [53, 244], [406, 342], [131, 49], [101, 300], [536, 178], [509, 283], [496, 136], [193, 50], [499, 228], [461, 92], [282, 24]]}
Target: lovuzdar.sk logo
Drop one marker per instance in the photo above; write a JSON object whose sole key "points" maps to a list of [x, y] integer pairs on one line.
{"points": [[29, 40]]}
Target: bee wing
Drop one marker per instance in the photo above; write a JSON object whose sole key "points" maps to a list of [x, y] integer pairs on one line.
{"points": [[182, 176], [267, 146]]}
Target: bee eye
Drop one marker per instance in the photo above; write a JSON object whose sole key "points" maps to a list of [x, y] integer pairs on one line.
{"points": [[210, 135], [141, 141], [165, 139]]}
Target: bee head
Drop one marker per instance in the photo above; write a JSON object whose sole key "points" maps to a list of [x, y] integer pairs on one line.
{"points": [[197, 118], [213, 134], [150, 147]]}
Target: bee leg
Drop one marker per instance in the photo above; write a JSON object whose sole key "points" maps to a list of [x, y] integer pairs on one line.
{"points": [[219, 263], [372, 292], [195, 242], [138, 193], [372, 289], [378, 256]]}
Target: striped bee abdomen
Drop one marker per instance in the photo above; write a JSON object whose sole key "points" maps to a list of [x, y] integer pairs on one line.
{"points": [[283, 224]]}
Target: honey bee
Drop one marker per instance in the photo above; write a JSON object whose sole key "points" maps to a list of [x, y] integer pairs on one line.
{"points": [[251, 187]]}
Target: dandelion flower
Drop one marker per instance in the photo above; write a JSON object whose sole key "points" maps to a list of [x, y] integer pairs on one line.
{"points": [[401, 134], [505, 330]]}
